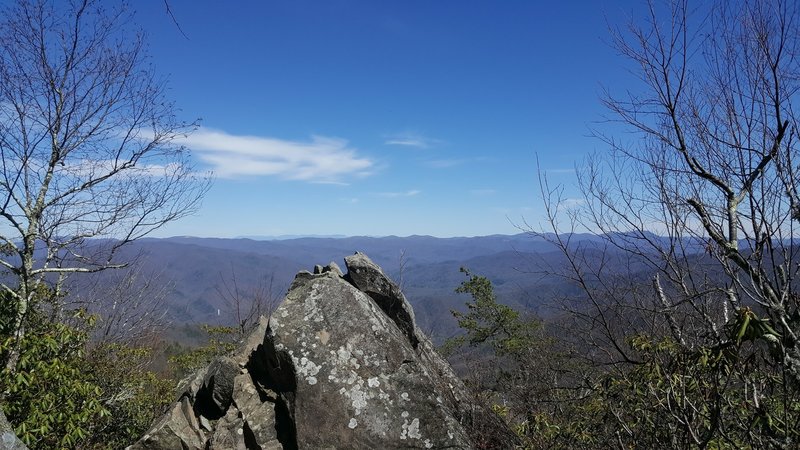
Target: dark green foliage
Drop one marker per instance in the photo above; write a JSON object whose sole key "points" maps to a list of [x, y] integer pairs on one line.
{"points": [[220, 340], [64, 393], [490, 323], [48, 397], [726, 396], [507, 356], [133, 394]]}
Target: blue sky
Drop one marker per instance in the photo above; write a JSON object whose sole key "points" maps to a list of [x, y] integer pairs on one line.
{"points": [[383, 118]]}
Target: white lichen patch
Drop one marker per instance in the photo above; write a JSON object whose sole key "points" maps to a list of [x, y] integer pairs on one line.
{"points": [[343, 354], [409, 430], [307, 368], [404, 396], [359, 392], [353, 423], [378, 425], [274, 324], [428, 443], [311, 311], [413, 429], [358, 398]]}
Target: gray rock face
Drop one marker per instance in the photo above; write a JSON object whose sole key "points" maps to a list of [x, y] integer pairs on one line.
{"points": [[218, 386], [366, 276], [9, 440], [339, 365]]}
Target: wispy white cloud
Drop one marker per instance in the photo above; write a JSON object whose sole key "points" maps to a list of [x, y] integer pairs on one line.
{"points": [[95, 168], [320, 160], [410, 193], [410, 139]]}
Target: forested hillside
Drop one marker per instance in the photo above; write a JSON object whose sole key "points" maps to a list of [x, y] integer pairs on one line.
{"points": [[199, 273]]}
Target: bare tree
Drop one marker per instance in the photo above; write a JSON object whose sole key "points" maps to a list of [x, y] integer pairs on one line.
{"points": [[130, 303], [698, 207], [245, 305], [86, 144], [710, 181]]}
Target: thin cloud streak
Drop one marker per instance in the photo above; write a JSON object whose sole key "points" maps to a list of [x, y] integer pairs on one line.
{"points": [[320, 160], [410, 193], [407, 143], [411, 140], [87, 168]]}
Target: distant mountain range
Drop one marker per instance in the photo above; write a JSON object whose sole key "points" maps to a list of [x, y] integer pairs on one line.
{"points": [[199, 271], [284, 237]]}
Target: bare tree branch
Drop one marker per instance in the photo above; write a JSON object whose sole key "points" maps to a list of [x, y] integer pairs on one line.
{"points": [[88, 160]]}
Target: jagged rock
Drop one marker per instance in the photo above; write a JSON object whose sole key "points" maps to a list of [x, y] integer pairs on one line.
{"points": [[178, 429], [9, 440], [358, 381], [340, 364], [229, 432], [333, 267], [370, 279], [257, 412], [218, 385]]}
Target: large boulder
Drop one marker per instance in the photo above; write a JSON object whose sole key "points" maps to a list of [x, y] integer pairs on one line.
{"points": [[339, 365]]}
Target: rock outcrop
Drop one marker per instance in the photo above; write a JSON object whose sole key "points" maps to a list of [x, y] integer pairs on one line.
{"points": [[9, 440], [339, 365]]}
